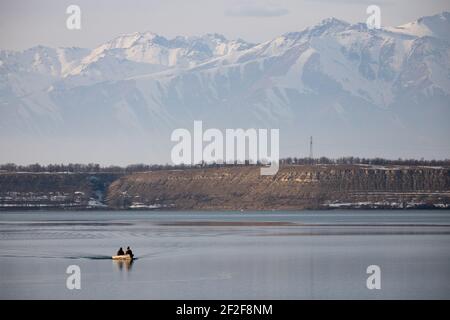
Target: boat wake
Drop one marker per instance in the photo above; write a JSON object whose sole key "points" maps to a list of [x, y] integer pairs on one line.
{"points": [[75, 257]]}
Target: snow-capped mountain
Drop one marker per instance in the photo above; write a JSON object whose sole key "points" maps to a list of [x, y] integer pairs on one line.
{"points": [[433, 26], [144, 53], [358, 91]]}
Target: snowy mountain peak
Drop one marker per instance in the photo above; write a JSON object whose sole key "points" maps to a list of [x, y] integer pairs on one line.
{"points": [[333, 75], [152, 49], [436, 26], [332, 23], [329, 25], [325, 27], [216, 36], [435, 22], [128, 40]]}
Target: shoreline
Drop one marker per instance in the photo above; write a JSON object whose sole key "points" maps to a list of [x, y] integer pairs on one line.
{"points": [[53, 209], [322, 187]]}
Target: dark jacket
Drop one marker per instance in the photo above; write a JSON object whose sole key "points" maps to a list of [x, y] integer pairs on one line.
{"points": [[120, 252]]}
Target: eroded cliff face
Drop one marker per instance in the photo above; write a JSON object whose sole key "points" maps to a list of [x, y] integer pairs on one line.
{"points": [[232, 188], [293, 187]]}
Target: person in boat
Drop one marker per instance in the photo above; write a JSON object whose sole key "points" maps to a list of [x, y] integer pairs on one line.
{"points": [[120, 252], [129, 252]]}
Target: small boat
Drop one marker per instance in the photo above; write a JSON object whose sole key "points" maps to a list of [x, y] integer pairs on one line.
{"points": [[123, 257]]}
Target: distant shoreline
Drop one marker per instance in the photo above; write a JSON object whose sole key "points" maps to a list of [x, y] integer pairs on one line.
{"points": [[57, 209]]}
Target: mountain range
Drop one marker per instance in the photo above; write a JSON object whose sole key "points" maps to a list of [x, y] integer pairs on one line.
{"points": [[358, 91]]}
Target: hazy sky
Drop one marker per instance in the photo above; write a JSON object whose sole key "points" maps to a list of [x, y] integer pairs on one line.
{"points": [[25, 23]]}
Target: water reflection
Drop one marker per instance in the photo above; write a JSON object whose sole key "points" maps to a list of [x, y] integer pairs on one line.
{"points": [[124, 264], [323, 255]]}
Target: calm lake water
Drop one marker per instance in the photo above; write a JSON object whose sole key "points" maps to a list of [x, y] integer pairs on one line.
{"points": [[226, 255]]}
